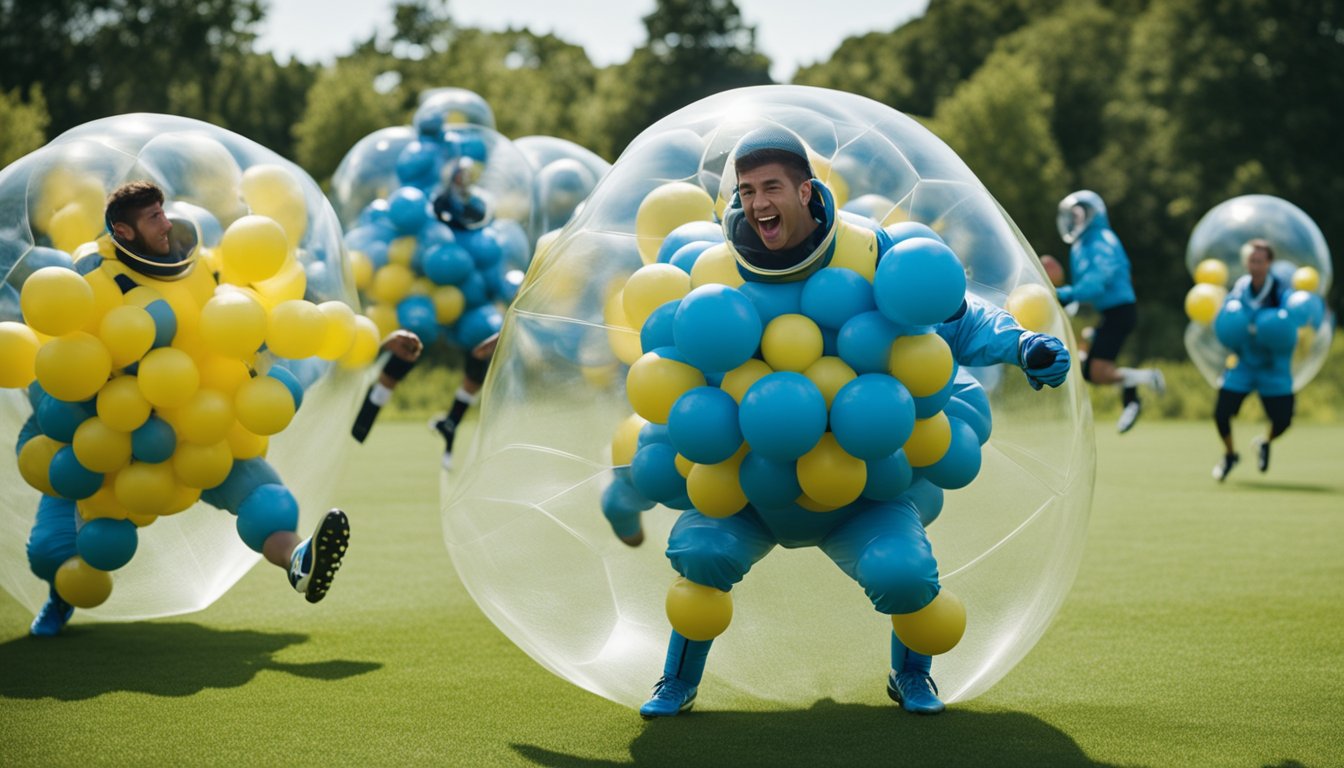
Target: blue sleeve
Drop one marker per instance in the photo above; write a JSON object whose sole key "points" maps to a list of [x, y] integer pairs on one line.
{"points": [[27, 432], [1093, 283], [982, 334]]}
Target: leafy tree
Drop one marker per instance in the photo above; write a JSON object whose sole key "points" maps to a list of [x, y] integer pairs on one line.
{"points": [[344, 107], [21, 125]]}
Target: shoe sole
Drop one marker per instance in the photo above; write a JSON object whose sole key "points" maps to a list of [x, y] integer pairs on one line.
{"points": [[329, 544], [684, 708], [895, 696]]}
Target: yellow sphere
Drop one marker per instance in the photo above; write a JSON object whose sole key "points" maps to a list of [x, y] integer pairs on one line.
{"points": [[206, 418], [144, 488], [1032, 306], [922, 363], [56, 301], [929, 440], [18, 355], [698, 612], [650, 287], [246, 445], [202, 466], [1211, 272], [829, 374], [100, 448], [298, 329], [74, 225], [103, 503], [128, 333], [623, 339], [168, 377], [340, 333], [714, 488], [737, 381], [391, 284], [35, 462], [401, 250], [106, 297], [384, 317], [821, 168], [270, 190], [253, 248], [654, 384], [121, 404], [666, 208], [264, 405], [361, 270], [364, 347], [791, 343], [287, 285], [1203, 301], [448, 303], [683, 465], [812, 505], [936, 628], [82, 585], [73, 367], [625, 438], [716, 265], [830, 476], [222, 374], [233, 324], [1304, 279]]}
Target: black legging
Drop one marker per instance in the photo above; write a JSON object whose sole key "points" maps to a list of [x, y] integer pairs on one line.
{"points": [[1279, 408]]}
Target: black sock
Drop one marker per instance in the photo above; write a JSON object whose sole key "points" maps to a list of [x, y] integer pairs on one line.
{"points": [[458, 410], [1129, 395], [367, 413]]}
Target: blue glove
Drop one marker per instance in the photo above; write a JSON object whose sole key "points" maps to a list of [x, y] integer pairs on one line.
{"points": [[1065, 294], [1044, 358]]}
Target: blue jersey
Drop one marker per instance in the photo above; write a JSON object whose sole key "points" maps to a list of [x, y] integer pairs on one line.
{"points": [[1100, 268], [1258, 367]]}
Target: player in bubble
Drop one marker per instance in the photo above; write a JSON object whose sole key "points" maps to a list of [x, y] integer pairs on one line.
{"points": [[783, 225], [1100, 271], [148, 249], [1258, 368]]}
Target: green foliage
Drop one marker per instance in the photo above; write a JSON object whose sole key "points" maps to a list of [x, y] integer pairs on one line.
{"points": [[21, 124], [343, 107]]}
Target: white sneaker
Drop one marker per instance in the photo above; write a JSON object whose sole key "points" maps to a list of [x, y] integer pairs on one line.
{"points": [[1159, 382], [1128, 416]]}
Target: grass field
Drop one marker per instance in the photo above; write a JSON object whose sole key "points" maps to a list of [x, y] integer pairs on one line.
{"points": [[1206, 627]]}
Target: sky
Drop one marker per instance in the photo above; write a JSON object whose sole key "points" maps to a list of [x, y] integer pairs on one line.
{"points": [[609, 30]]}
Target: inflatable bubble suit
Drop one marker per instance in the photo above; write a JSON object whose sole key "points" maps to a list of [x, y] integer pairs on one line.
{"points": [[566, 174], [1301, 260], [522, 520], [264, 226]]}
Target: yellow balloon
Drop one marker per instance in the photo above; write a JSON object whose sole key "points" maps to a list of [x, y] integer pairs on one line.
{"points": [[1211, 272], [821, 168], [253, 248], [289, 284], [246, 445], [364, 348], [271, 190], [922, 363], [812, 505], [391, 284], [683, 465], [650, 287], [75, 224], [103, 503], [128, 333], [936, 628], [666, 208], [716, 265], [106, 297], [361, 270], [264, 405], [830, 476], [121, 404], [35, 462], [737, 381], [624, 440], [698, 612], [929, 440], [206, 417], [624, 341], [168, 377], [233, 324], [184, 496], [829, 374], [144, 488], [298, 329], [401, 250], [340, 333], [654, 383], [384, 317], [855, 250], [65, 185], [1305, 279], [448, 303], [714, 488], [56, 301], [82, 585], [1032, 306], [791, 343], [1203, 301], [100, 448], [222, 374], [18, 355], [73, 367], [202, 465]]}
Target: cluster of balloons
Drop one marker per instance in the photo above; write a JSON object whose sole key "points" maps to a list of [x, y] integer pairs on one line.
{"points": [[1220, 328], [147, 392]]}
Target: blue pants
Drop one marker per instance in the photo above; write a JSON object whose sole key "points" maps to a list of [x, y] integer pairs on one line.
{"points": [[52, 540]]}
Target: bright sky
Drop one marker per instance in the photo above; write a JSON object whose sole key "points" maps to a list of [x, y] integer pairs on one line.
{"points": [[788, 31]]}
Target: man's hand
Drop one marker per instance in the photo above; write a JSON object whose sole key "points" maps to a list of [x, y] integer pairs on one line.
{"points": [[404, 344], [1065, 294], [486, 348], [1045, 360]]}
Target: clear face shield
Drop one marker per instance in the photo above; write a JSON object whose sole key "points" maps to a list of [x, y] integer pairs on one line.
{"points": [[183, 241], [1076, 213]]}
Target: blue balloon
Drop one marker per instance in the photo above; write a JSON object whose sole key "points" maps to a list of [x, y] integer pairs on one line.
{"points": [[685, 257], [418, 164], [58, 419], [447, 264], [657, 329], [154, 441], [1276, 330], [1306, 308], [930, 404], [927, 499], [653, 471], [417, 315], [1232, 325], [515, 246], [769, 484], [959, 466], [652, 433], [107, 544], [888, 477], [919, 281], [689, 232], [717, 327], [783, 415], [485, 250], [165, 322], [865, 340], [291, 382], [375, 214], [971, 405], [872, 416], [475, 291], [905, 230], [703, 425], [835, 294], [408, 210], [774, 299], [269, 508], [477, 325], [71, 479]]}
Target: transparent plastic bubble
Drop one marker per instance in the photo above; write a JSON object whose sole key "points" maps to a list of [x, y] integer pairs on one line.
{"points": [[442, 108], [522, 519], [1297, 241], [566, 174], [51, 202]]}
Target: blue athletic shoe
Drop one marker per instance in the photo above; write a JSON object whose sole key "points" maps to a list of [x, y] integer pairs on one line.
{"points": [[915, 692], [671, 696], [52, 618], [316, 560]]}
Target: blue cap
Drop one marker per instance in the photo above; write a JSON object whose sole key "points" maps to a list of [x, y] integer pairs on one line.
{"points": [[771, 137]]}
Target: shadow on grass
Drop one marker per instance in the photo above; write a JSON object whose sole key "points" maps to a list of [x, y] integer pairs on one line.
{"points": [[177, 659], [1281, 487], [839, 734]]}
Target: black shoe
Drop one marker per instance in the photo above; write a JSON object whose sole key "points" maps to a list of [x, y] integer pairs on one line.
{"points": [[447, 430], [1221, 469], [1262, 454], [315, 561]]}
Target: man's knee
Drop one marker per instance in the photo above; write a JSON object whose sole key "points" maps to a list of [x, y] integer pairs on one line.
{"points": [[709, 556], [52, 540], [899, 576]]}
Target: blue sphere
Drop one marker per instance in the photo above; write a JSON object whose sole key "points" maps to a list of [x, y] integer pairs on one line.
{"points": [[872, 416], [774, 299], [1232, 326], [717, 328], [769, 484], [927, 498], [833, 295], [269, 508], [685, 257], [475, 290], [485, 250], [657, 330], [418, 164], [919, 281], [888, 477], [959, 466], [703, 425], [971, 405], [783, 415], [447, 263], [864, 342], [905, 230], [285, 376], [930, 404], [58, 419], [417, 315], [1276, 330], [71, 479], [653, 472], [408, 210], [1306, 308], [689, 232], [154, 441], [477, 325], [107, 544], [652, 433]]}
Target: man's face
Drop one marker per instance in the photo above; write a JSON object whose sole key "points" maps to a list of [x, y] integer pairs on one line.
{"points": [[149, 234], [776, 206], [1257, 264]]}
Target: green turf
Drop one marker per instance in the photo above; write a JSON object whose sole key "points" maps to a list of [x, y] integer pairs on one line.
{"points": [[1205, 628]]}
